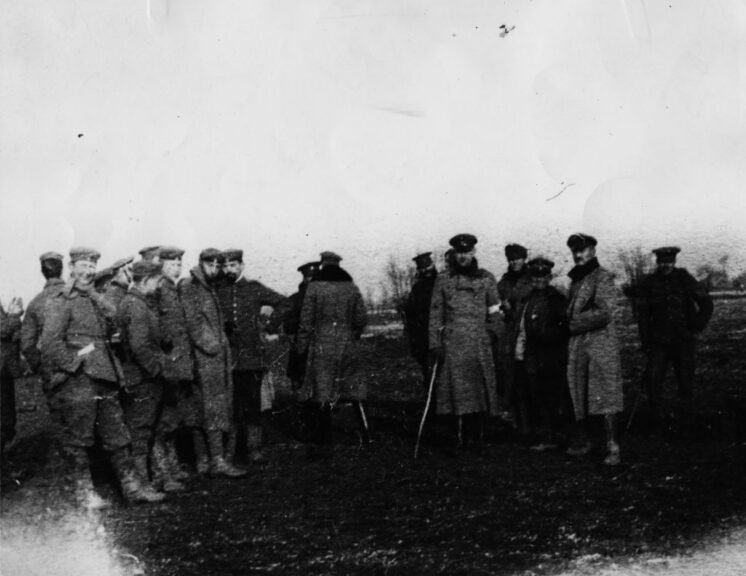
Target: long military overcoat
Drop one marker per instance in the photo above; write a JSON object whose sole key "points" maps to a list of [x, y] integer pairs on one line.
{"points": [[141, 334], [459, 313], [594, 371], [178, 356], [211, 350], [332, 318], [33, 322]]}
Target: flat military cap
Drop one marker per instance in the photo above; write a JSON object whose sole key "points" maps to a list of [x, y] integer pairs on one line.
{"points": [[540, 266], [103, 276], [170, 253], [149, 252], [146, 269], [329, 257], [121, 262], [309, 268], [580, 241], [210, 254], [423, 257], [515, 251], [463, 242], [51, 256], [83, 253], [233, 254], [666, 253]]}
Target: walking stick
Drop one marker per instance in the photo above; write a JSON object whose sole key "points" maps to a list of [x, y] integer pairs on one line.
{"points": [[427, 408]]}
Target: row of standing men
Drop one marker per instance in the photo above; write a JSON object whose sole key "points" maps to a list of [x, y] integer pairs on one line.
{"points": [[131, 355], [520, 348]]}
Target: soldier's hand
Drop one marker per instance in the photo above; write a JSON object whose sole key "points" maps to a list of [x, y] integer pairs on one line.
{"points": [[435, 355], [15, 306]]}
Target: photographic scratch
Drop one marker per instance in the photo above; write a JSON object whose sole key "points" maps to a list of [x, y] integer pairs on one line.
{"points": [[565, 187], [505, 30]]}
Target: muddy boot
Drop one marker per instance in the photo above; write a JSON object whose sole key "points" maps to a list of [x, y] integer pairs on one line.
{"points": [[85, 495], [162, 475], [254, 435], [613, 457], [580, 445], [201, 458], [218, 465], [134, 488]]}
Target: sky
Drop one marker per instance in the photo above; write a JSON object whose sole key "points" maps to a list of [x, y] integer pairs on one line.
{"points": [[376, 129]]}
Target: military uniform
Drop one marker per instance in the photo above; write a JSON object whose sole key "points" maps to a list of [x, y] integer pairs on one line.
{"points": [[10, 326], [673, 309], [417, 314]]}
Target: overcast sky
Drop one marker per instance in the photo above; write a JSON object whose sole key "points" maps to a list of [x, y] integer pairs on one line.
{"points": [[369, 128]]}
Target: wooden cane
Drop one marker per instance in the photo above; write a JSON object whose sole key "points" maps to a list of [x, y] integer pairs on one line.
{"points": [[427, 408]]}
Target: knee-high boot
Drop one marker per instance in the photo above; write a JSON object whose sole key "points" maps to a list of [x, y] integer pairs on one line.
{"points": [[218, 465], [612, 445]]}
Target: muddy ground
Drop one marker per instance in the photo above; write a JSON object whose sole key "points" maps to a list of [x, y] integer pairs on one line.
{"points": [[378, 511]]}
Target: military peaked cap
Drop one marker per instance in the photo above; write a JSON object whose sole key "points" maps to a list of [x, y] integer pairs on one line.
{"points": [[149, 252], [83, 253], [540, 266], [103, 275], [309, 268], [423, 258], [329, 257], [210, 254], [233, 254], [463, 242], [121, 262], [580, 241], [145, 269], [515, 251], [51, 256], [666, 253], [170, 253]]}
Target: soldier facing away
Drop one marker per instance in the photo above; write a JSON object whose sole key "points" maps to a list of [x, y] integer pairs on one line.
{"points": [[241, 301], [674, 308], [10, 328], [85, 378], [332, 320], [464, 301], [213, 356], [594, 370], [417, 311]]}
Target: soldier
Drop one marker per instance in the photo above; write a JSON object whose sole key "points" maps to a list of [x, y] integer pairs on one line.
{"points": [[150, 253], [212, 354], [85, 378], [149, 410], [332, 320], [464, 300], [541, 357], [103, 279], [514, 287], [10, 327], [121, 280], [241, 301], [674, 309], [594, 368], [288, 315], [417, 310], [178, 369], [33, 321]]}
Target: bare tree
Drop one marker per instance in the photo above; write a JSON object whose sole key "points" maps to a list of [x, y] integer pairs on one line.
{"points": [[396, 284], [636, 264]]}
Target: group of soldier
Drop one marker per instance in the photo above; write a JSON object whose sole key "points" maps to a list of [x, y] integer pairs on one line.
{"points": [[520, 349], [132, 355]]}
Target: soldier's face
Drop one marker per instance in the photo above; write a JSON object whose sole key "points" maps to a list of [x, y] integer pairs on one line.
{"points": [[517, 264], [584, 256], [150, 285], [464, 258], [172, 268], [665, 267], [83, 271], [211, 268], [233, 269], [124, 274]]}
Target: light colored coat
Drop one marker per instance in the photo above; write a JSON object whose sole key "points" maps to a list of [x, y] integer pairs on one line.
{"points": [[594, 372], [461, 306]]}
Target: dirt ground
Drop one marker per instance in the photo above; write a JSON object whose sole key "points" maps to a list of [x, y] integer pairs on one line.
{"points": [[379, 511]]}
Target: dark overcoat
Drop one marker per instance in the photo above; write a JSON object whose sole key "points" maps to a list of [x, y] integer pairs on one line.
{"points": [[460, 311], [33, 322], [211, 349], [417, 316], [332, 318], [179, 356], [141, 335]]}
